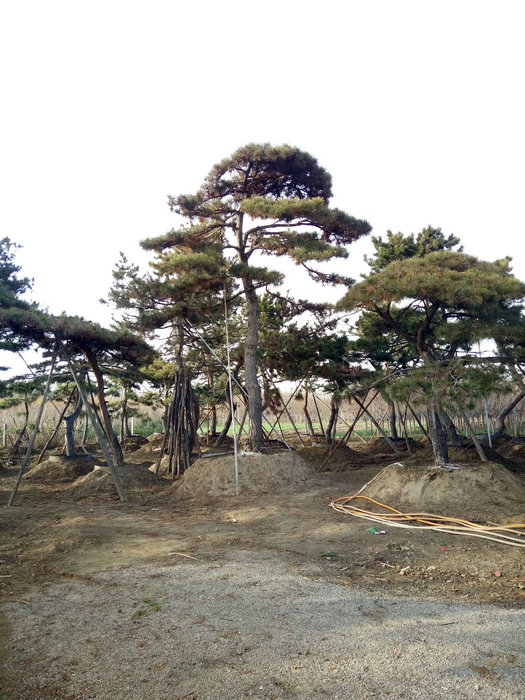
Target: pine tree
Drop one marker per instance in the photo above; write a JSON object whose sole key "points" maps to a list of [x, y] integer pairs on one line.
{"points": [[270, 201], [439, 306]]}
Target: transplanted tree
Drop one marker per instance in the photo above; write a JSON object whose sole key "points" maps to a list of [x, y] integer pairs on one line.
{"points": [[103, 349], [185, 290], [264, 200], [441, 305], [12, 288]]}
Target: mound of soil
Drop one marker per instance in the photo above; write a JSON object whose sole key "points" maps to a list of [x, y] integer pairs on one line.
{"points": [[511, 449], [284, 472], [482, 492], [134, 477], [133, 443], [343, 458], [381, 447], [60, 469], [149, 451], [470, 454]]}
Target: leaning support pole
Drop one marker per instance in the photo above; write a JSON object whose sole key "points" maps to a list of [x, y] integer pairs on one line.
{"points": [[285, 409], [35, 429], [346, 436], [392, 444], [243, 391], [96, 427], [477, 443]]}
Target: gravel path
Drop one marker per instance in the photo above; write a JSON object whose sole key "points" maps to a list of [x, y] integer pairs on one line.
{"points": [[253, 627]]}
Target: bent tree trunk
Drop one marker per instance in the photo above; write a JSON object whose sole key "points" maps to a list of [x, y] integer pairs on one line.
{"points": [[70, 423], [229, 417], [108, 429], [332, 425], [453, 437], [499, 428]]}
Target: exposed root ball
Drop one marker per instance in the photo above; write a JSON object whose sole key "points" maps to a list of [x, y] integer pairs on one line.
{"points": [[61, 470], [478, 492], [134, 477]]}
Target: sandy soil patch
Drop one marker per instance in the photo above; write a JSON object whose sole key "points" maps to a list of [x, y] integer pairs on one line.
{"points": [[271, 594]]}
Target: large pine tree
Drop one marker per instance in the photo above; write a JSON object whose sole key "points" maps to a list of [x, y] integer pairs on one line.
{"points": [[439, 306], [270, 201]]}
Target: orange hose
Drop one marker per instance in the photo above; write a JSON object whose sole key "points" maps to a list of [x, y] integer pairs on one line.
{"points": [[395, 516]]}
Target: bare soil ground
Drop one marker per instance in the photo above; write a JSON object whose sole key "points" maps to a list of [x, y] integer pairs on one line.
{"points": [[68, 526]]}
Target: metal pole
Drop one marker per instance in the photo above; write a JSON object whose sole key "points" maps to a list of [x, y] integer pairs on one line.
{"points": [[489, 436], [272, 429]]}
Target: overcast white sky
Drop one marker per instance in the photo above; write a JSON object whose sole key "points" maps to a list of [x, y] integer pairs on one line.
{"points": [[416, 109]]}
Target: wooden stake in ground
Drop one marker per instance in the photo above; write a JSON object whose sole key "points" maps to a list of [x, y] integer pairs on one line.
{"points": [[96, 427], [35, 429], [392, 444], [477, 443]]}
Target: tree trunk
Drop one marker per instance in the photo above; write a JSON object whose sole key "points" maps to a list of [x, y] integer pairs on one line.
{"points": [[85, 431], [319, 416], [499, 429], [392, 419], [70, 423], [307, 417], [331, 430], [253, 389], [453, 437], [437, 437], [110, 435], [212, 430]]}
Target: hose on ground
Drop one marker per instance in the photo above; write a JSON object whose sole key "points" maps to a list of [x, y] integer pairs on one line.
{"points": [[512, 534]]}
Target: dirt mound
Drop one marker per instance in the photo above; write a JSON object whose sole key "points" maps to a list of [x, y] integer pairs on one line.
{"points": [[511, 449], [59, 469], [133, 443], [343, 458], [381, 447], [150, 449], [134, 477], [468, 453], [482, 492], [284, 472]]}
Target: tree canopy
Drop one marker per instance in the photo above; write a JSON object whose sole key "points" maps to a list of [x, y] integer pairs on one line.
{"points": [[262, 201], [437, 307]]}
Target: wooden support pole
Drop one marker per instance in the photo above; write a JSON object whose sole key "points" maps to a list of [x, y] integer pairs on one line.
{"points": [[346, 436], [392, 444], [417, 420], [472, 432], [96, 427], [285, 409], [35, 429]]}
